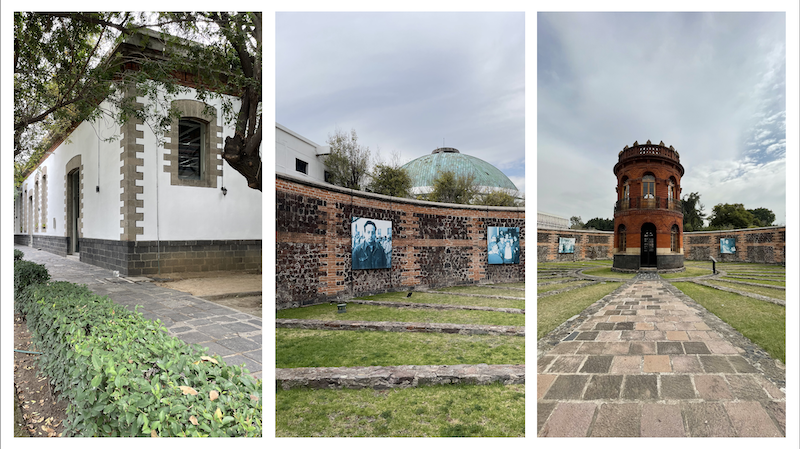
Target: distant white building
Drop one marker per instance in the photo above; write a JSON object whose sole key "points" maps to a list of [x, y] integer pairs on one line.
{"points": [[298, 156], [550, 221]]}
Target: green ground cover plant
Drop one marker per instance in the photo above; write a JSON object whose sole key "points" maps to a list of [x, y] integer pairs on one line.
{"points": [[556, 309], [762, 322], [367, 312], [763, 291], [483, 291], [434, 298], [295, 348], [687, 273], [552, 287], [122, 375], [446, 411], [606, 272]]}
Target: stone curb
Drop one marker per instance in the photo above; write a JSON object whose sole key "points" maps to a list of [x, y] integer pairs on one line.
{"points": [[754, 284], [230, 295], [497, 287], [396, 326], [475, 295], [404, 376], [574, 287], [416, 305], [738, 292]]}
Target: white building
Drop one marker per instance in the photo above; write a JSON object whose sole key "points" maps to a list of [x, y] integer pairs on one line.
{"points": [[142, 208], [550, 221], [298, 156]]}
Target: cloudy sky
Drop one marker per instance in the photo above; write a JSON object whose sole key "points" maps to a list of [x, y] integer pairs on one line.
{"points": [[406, 81], [712, 85]]}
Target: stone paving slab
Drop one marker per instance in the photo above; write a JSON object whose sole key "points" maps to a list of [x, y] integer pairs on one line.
{"points": [[403, 376], [226, 332], [694, 376], [396, 326]]}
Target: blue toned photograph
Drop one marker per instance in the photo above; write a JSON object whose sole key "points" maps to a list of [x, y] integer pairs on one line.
{"points": [[372, 243], [727, 246], [503, 245], [566, 245]]}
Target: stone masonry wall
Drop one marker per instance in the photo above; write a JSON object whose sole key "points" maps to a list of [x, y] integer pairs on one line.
{"points": [[433, 244], [759, 245]]}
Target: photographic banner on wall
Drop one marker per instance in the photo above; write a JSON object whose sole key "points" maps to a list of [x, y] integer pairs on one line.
{"points": [[372, 243], [566, 245], [727, 246], [503, 245]]}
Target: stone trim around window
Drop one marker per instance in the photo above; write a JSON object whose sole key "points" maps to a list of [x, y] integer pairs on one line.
{"points": [[211, 156]]}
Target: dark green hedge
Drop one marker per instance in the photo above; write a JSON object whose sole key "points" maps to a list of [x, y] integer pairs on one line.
{"points": [[124, 376], [18, 255]]}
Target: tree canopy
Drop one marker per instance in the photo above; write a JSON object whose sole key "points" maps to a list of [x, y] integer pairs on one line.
{"points": [[497, 198], [451, 188], [730, 216], [575, 222], [348, 163], [65, 66], [693, 214], [392, 180], [763, 216], [601, 224]]}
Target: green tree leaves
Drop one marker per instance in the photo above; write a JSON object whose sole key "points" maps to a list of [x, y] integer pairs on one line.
{"points": [[348, 163]]}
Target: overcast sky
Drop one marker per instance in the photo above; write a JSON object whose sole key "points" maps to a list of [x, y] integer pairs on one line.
{"points": [[712, 85], [405, 81]]}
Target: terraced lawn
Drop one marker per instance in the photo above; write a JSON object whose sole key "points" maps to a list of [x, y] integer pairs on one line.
{"points": [[779, 283], [484, 291], [438, 411], [553, 310], [606, 272], [687, 273], [296, 348], [553, 287], [433, 298], [367, 312], [763, 291]]}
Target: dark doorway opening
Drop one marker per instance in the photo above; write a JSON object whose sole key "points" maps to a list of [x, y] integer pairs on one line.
{"points": [[73, 210], [648, 245]]}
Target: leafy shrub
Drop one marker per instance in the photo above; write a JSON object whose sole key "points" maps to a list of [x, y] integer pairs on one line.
{"points": [[26, 273], [124, 376], [18, 255]]}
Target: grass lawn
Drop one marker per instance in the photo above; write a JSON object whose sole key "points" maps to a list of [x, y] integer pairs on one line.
{"points": [[483, 291], [367, 312], [296, 348], [687, 273], [511, 284], [447, 411], [762, 322], [549, 279], [546, 266], [433, 298], [551, 287], [757, 281], [763, 291], [554, 310], [606, 272]]}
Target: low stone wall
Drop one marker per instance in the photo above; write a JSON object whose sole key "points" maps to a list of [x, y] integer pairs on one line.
{"points": [[758, 245], [404, 376], [396, 326]]}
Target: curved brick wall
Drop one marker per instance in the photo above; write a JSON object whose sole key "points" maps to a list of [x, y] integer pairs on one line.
{"points": [[433, 244], [760, 245]]}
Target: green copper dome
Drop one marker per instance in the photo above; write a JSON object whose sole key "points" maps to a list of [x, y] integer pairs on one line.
{"points": [[424, 170]]}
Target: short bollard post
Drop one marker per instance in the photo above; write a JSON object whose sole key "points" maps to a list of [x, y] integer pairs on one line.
{"points": [[341, 308], [713, 265]]}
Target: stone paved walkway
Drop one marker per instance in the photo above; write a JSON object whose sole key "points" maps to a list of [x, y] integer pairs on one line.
{"points": [[648, 364], [227, 333]]}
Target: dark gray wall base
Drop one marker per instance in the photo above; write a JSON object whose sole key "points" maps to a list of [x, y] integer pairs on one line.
{"points": [[22, 239], [626, 262], [50, 243], [669, 262]]}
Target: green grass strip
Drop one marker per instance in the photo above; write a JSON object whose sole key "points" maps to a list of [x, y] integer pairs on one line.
{"points": [[511, 284], [367, 312], [552, 287], [296, 348], [606, 272], [687, 273], [434, 298], [554, 310], [763, 291], [762, 322], [484, 291], [436, 411], [757, 281]]}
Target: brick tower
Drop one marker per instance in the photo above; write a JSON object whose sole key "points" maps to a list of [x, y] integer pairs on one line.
{"points": [[648, 217]]}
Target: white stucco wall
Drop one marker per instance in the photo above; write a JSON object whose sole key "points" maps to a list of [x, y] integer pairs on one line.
{"points": [[170, 212], [290, 146], [103, 172], [196, 213]]}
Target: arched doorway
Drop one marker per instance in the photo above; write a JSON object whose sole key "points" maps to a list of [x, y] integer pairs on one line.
{"points": [[648, 245]]}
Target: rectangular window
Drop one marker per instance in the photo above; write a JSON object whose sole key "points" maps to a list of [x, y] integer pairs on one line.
{"points": [[327, 176], [301, 166], [190, 144]]}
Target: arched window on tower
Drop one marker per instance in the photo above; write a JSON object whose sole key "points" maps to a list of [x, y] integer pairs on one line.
{"points": [[673, 245], [623, 239], [649, 186]]}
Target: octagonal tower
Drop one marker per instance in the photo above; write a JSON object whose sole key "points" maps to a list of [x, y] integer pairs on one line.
{"points": [[648, 216]]}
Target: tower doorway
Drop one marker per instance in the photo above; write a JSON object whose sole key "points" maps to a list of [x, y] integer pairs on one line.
{"points": [[648, 245]]}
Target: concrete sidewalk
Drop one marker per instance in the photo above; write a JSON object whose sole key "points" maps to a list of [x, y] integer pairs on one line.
{"points": [[227, 333], [652, 363]]}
